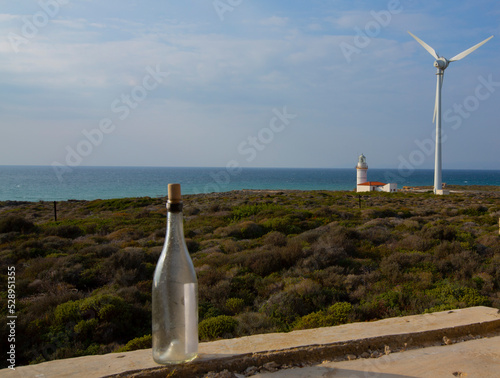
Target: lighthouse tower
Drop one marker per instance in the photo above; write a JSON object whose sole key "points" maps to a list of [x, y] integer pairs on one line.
{"points": [[361, 169]]}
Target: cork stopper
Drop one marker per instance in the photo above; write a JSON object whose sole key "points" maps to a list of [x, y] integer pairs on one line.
{"points": [[174, 193]]}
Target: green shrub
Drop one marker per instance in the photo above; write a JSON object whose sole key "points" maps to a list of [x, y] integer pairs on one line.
{"points": [[127, 258], [67, 312], [454, 296], [395, 265], [143, 342], [206, 311], [381, 213], [92, 350], [119, 203], [100, 251], [84, 328], [192, 245], [68, 231], [372, 310], [296, 300], [245, 211], [251, 230], [287, 225], [263, 262], [220, 326], [440, 232], [466, 239], [313, 320], [104, 314], [376, 235], [235, 305], [14, 223], [336, 314], [106, 307], [243, 230], [253, 323], [276, 239], [471, 297], [290, 254], [475, 211], [340, 311], [244, 286], [415, 242], [447, 248], [31, 249]]}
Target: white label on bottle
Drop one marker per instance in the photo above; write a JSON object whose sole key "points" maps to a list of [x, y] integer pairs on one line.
{"points": [[191, 318]]}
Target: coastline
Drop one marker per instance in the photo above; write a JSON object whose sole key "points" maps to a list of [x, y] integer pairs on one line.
{"points": [[40, 183], [412, 189]]}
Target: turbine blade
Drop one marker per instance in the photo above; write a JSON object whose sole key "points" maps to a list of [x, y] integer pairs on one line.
{"points": [[429, 49], [468, 51]]}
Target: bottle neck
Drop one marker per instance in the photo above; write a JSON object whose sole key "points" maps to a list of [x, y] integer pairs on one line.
{"points": [[174, 207], [175, 228]]}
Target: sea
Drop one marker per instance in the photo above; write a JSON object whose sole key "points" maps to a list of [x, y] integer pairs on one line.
{"points": [[43, 183]]}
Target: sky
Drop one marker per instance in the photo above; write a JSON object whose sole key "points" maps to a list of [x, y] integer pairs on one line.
{"points": [[246, 83]]}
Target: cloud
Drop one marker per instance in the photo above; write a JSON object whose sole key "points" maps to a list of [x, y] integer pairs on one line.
{"points": [[349, 19], [5, 17], [79, 24], [315, 26], [275, 21]]}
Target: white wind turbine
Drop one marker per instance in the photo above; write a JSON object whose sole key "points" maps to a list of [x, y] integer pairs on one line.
{"points": [[441, 64]]}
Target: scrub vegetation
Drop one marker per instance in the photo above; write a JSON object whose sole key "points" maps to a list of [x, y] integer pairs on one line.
{"points": [[267, 261]]}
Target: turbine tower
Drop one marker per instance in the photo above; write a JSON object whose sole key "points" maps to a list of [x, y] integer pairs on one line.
{"points": [[441, 64]]}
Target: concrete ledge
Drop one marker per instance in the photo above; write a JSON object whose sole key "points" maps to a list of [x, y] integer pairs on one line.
{"points": [[474, 358], [329, 343]]}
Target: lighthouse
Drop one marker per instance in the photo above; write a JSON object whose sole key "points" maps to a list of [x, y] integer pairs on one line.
{"points": [[363, 185], [361, 169]]}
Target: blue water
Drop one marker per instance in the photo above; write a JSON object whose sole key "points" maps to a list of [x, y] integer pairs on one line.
{"points": [[35, 183]]}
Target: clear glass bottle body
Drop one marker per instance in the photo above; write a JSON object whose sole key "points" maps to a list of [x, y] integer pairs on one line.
{"points": [[175, 298]]}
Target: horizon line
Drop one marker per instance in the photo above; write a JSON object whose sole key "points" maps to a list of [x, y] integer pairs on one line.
{"points": [[221, 167]]}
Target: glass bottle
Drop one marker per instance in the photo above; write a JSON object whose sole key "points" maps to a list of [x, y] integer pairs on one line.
{"points": [[175, 292]]}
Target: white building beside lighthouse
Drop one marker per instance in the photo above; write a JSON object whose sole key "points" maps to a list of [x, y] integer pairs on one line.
{"points": [[363, 185]]}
